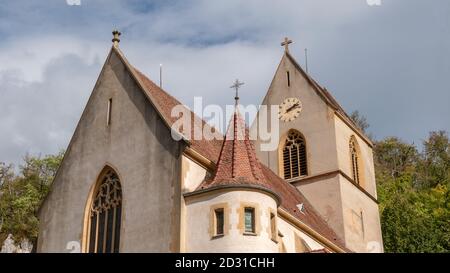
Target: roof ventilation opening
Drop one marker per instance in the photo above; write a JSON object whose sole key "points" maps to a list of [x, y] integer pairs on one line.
{"points": [[301, 208]]}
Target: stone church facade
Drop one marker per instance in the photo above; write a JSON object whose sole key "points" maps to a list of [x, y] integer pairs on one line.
{"points": [[126, 185]]}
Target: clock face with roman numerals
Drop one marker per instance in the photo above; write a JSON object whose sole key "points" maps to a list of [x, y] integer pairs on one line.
{"points": [[290, 109]]}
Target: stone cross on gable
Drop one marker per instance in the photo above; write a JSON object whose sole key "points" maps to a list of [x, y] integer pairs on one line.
{"points": [[286, 43], [236, 86]]}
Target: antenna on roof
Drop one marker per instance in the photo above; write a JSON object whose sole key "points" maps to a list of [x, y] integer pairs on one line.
{"points": [[160, 76], [306, 59]]}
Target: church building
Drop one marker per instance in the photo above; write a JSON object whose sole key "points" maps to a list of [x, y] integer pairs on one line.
{"points": [[126, 185]]}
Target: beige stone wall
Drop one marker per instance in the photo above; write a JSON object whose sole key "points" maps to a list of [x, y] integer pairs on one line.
{"points": [[367, 169], [192, 174], [138, 145], [291, 236], [327, 142], [198, 222], [361, 219], [324, 194], [316, 121]]}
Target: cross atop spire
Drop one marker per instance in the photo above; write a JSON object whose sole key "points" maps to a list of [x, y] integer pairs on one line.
{"points": [[236, 85], [286, 43], [116, 35]]}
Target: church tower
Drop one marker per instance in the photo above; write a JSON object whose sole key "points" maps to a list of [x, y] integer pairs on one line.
{"points": [[323, 154]]}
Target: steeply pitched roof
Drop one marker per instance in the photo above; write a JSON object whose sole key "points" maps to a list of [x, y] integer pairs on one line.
{"points": [[237, 163], [250, 172], [209, 149], [329, 99]]}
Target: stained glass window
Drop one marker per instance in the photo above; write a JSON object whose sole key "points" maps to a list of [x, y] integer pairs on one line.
{"points": [[105, 215]]}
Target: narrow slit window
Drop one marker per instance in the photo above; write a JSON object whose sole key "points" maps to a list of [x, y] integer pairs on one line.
{"points": [[108, 113], [355, 160], [288, 78], [219, 221], [249, 218]]}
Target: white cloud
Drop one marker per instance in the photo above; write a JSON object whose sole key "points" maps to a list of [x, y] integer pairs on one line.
{"points": [[29, 57], [51, 55], [39, 117]]}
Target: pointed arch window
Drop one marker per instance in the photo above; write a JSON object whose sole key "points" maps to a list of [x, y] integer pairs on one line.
{"points": [[294, 155], [105, 215], [355, 164]]}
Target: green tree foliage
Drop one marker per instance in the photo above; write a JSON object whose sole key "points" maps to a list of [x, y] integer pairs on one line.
{"points": [[360, 121], [413, 191], [435, 164], [21, 195]]}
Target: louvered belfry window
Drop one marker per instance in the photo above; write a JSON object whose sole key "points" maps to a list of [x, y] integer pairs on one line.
{"points": [[294, 156], [355, 160], [105, 215]]}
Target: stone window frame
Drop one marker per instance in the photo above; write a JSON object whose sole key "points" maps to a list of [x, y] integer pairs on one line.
{"points": [[356, 162], [213, 222], [86, 235], [303, 165], [272, 232], [257, 218]]}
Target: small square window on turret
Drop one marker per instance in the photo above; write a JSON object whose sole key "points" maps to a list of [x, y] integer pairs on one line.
{"points": [[249, 220]]}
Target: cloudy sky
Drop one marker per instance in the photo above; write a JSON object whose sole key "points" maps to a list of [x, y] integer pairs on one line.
{"points": [[391, 62]]}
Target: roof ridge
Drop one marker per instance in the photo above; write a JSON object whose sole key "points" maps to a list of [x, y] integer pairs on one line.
{"points": [[328, 97]]}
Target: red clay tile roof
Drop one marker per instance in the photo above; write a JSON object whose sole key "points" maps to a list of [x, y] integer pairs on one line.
{"points": [[237, 163], [291, 197], [256, 174], [209, 149]]}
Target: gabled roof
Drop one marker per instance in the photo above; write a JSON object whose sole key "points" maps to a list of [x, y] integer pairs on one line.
{"points": [[209, 149], [250, 173], [330, 100]]}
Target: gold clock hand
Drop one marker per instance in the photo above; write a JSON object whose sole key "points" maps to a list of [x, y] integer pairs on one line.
{"points": [[292, 107]]}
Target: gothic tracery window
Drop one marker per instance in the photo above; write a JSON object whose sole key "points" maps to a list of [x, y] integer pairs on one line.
{"points": [[294, 156], [355, 160], [105, 215]]}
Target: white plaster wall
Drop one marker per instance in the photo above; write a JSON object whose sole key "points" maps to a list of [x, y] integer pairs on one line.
{"points": [[197, 236]]}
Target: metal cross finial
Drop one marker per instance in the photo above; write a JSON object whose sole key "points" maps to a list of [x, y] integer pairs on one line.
{"points": [[286, 43], [236, 85], [116, 39]]}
